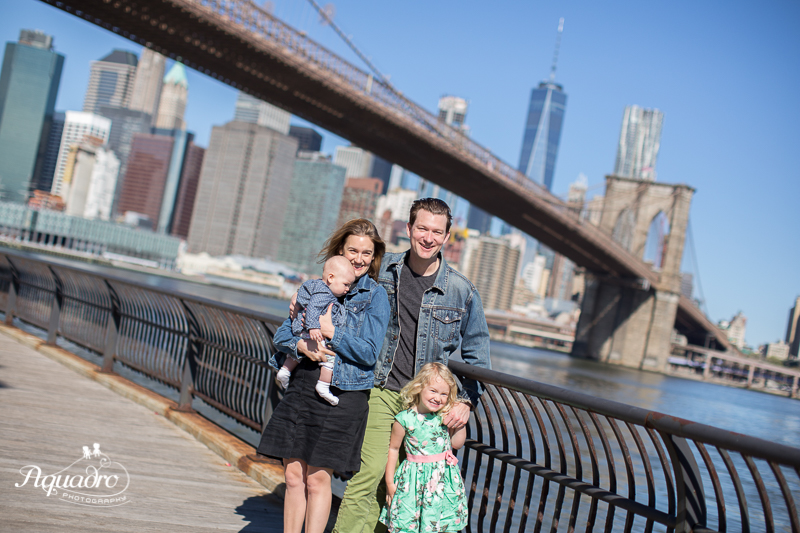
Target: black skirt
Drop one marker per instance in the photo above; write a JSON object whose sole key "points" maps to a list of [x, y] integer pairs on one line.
{"points": [[304, 426]]}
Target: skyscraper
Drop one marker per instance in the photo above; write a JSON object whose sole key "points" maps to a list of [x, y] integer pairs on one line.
{"points": [[78, 127], [309, 140], [174, 93], [251, 109], [29, 83], [142, 189], [548, 102], [793, 330], [492, 265], [359, 199], [147, 83], [111, 81], [243, 191], [44, 178], [313, 216], [92, 176], [190, 177], [639, 140]]}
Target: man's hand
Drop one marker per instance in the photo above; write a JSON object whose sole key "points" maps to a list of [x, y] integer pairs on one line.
{"points": [[316, 335], [458, 416], [293, 307], [326, 323], [316, 351]]}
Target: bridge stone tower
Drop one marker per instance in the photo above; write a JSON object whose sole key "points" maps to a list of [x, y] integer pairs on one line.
{"points": [[627, 321]]}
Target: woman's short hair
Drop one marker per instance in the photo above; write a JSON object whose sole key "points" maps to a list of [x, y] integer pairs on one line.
{"points": [[433, 206], [413, 389], [361, 227]]}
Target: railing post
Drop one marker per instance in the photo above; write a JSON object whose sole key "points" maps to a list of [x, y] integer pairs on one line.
{"points": [[112, 331], [193, 349], [691, 509], [55, 311], [13, 288]]}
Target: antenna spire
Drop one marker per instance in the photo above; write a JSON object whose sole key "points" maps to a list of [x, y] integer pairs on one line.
{"points": [[555, 54]]}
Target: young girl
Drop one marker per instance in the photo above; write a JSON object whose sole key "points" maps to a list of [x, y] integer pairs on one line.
{"points": [[427, 492]]}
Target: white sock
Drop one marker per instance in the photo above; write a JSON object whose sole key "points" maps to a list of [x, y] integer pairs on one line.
{"points": [[324, 390], [283, 377]]}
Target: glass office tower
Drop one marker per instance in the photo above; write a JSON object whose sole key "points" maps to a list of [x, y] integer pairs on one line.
{"points": [[29, 83], [542, 133]]}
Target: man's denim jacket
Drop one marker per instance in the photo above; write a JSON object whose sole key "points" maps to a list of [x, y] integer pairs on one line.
{"points": [[356, 345], [451, 313]]}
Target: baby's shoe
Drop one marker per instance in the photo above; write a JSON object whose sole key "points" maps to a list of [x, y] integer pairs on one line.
{"points": [[324, 390], [283, 378]]}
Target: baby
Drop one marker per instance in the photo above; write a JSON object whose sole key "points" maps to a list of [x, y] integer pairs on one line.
{"points": [[313, 299]]}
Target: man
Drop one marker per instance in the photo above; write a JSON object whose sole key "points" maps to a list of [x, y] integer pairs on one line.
{"points": [[434, 309]]}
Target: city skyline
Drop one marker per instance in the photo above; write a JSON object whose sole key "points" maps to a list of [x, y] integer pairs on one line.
{"points": [[743, 259]]}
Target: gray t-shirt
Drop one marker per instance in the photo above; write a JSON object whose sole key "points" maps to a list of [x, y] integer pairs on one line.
{"points": [[409, 298]]}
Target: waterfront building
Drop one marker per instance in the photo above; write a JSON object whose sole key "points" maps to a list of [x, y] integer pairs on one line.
{"points": [[243, 191], [44, 179], [533, 274], [776, 350], [147, 83], [172, 104], [78, 127], [492, 265], [45, 200], [125, 123], [397, 202], [29, 82], [162, 166], [639, 140], [793, 330], [735, 328], [187, 191], [359, 199], [89, 181], [357, 162], [308, 139], [96, 237], [110, 81], [313, 214], [560, 283], [251, 109], [142, 188]]}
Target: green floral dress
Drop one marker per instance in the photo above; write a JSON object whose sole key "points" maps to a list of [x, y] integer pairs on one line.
{"points": [[430, 497]]}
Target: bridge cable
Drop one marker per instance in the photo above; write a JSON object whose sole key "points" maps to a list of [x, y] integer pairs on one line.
{"points": [[690, 239]]}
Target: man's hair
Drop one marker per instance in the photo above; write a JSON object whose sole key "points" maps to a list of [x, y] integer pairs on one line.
{"points": [[433, 206]]}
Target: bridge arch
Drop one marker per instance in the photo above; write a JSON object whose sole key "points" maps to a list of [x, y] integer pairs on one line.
{"points": [[655, 246], [624, 228]]}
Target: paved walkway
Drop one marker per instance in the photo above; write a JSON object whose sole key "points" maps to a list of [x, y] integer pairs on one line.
{"points": [[49, 413]]}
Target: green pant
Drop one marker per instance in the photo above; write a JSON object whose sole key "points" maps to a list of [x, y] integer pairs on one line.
{"points": [[362, 501]]}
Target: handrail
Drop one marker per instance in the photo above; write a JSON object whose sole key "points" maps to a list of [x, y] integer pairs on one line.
{"points": [[532, 449]]}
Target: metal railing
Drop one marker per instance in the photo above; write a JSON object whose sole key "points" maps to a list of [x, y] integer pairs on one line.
{"points": [[537, 456]]}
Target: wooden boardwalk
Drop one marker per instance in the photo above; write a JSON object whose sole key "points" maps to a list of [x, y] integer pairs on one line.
{"points": [[48, 413]]}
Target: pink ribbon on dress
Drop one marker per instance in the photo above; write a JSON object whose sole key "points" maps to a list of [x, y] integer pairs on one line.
{"points": [[448, 456]]}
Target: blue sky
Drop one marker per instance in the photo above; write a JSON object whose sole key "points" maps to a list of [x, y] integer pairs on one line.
{"points": [[725, 74]]}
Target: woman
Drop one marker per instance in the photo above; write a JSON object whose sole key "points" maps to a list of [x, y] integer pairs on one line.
{"points": [[313, 437]]}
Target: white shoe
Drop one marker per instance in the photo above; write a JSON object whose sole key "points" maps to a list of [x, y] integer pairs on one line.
{"points": [[324, 390], [283, 378]]}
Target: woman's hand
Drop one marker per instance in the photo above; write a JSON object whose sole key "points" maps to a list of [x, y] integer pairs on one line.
{"points": [[326, 324], [316, 351], [391, 488]]}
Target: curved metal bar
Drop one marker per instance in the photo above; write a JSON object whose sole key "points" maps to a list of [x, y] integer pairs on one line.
{"points": [[576, 455], [593, 462], [518, 449], [787, 497], [532, 454], [501, 424], [562, 457], [762, 493], [665, 469], [648, 470], [546, 454], [744, 512], [719, 496]]}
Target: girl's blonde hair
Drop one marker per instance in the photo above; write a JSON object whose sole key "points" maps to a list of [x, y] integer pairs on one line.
{"points": [[413, 389]]}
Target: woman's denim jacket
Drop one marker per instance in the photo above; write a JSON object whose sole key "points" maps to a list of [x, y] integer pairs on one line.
{"points": [[356, 345], [451, 314]]}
